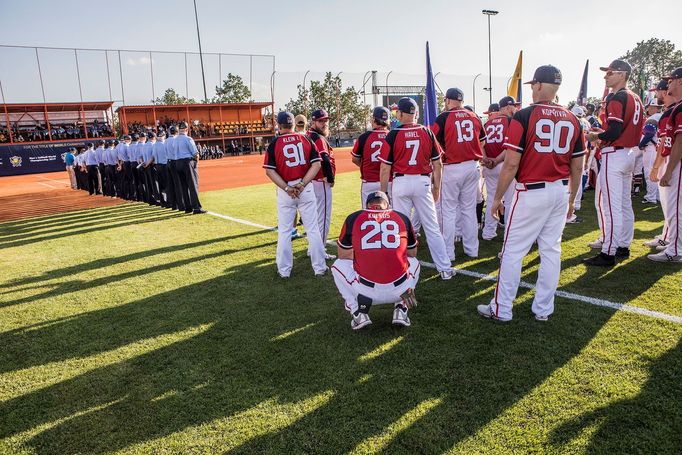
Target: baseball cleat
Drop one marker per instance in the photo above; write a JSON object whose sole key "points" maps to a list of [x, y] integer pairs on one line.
{"points": [[601, 260], [409, 299], [458, 238], [359, 321], [400, 316], [596, 245], [488, 238], [622, 252], [661, 247], [282, 276], [487, 312], [541, 318], [447, 274], [656, 243], [574, 219], [322, 273], [664, 257]]}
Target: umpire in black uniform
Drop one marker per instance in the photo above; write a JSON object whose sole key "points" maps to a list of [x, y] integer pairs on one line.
{"points": [[187, 154]]}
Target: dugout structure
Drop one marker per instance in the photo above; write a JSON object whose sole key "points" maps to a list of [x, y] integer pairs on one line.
{"points": [[35, 137], [216, 123]]}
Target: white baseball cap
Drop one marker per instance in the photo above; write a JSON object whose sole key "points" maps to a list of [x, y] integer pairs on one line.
{"points": [[578, 111]]}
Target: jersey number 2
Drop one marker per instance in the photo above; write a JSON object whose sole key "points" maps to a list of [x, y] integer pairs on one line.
{"points": [[376, 150], [294, 154], [384, 234]]}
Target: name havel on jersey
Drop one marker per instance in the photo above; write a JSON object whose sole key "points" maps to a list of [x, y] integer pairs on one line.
{"points": [[459, 132], [548, 136], [291, 155], [379, 240], [368, 148], [409, 149]]}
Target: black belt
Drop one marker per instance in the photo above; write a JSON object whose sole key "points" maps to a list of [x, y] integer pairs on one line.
{"points": [[536, 186], [371, 284], [398, 174]]}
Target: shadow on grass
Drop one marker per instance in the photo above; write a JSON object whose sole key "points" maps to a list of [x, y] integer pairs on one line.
{"points": [[66, 217], [476, 368]]}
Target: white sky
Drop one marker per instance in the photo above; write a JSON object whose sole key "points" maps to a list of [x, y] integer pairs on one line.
{"points": [[350, 36]]}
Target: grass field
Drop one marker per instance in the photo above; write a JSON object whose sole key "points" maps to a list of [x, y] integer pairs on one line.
{"points": [[129, 329]]}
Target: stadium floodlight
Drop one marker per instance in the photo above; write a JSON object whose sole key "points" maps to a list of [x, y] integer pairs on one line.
{"points": [[489, 12]]}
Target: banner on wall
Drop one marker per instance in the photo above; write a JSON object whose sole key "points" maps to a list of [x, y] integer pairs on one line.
{"points": [[31, 158]]}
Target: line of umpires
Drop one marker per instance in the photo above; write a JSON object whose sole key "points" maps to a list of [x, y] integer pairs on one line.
{"points": [[145, 167]]}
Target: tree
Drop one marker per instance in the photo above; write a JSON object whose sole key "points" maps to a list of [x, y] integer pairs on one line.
{"points": [[329, 95], [170, 96], [650, 61], [590, 100], [233, 90]]}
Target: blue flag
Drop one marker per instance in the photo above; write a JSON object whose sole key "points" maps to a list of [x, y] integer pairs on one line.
{"points": [[430, 100], [582, 95]]}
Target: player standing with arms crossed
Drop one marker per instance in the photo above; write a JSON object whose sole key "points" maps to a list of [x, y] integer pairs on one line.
{"points": [[544, 149], [461, 135], [366, 152], [625, 119], [411, 153], [291, 162]]}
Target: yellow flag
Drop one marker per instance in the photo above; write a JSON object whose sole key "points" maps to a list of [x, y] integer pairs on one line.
{"points": [[515, 84]]}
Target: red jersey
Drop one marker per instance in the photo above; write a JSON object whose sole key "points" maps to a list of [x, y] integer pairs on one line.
{"points": [[673, 127], [291, 155], [460, 133], [662, 134], [368, 149], [495, 130], [549, 137], [625, 107], [409, 149], [325, 149], [379, 240]]}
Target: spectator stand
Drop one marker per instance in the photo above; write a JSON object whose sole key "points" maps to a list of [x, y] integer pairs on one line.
{"points": [[211, 124]]}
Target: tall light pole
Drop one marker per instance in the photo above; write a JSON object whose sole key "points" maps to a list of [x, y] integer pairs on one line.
{"points": [[272, 98], [388, 100], [338, 104], [489, 13], [201, 55], [365, 79], [305, 95], [473, 89]]}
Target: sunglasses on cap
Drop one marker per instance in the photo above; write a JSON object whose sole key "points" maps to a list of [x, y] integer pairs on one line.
{"points": [[612, 72]]}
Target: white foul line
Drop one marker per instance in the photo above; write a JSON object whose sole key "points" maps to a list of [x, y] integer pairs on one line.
{"points": [[523, 284]]}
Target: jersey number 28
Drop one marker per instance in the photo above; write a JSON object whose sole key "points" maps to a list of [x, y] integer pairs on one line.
{"points": [[384, 234]]}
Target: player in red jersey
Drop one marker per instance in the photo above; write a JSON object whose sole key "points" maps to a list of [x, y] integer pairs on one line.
{"points": [[496, 130], [625, 119], [410, 153], [324, 180], [366, 152], [461, 135], [544, 149], [671, 179], [291, 162], [377, 262]]}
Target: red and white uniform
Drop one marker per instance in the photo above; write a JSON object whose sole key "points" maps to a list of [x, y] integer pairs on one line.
{"points": [[665, 152], [368, 149], [496, 131], [410, 149], [460, 133], [617, 167], [291, 156], [673, 193], [323, 190], [380, 269], [549, 137]]}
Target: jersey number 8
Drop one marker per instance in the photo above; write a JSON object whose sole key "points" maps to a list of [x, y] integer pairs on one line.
{"points": [[554, 137], [388, 230], [294, 154]]}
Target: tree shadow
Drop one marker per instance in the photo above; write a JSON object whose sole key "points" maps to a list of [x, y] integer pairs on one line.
{"points": [[46, 220]]}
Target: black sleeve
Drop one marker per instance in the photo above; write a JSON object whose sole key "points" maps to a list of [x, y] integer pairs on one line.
{"points": [[361, 143], [579, 146], [440, 121], [435, 148], [345, 240], [327, 170], [613, 131], [523, 117], [271, 163], [390, 140], [482, 136]]}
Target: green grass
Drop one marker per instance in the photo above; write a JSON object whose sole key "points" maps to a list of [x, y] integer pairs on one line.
{"points": [[132, 330]]}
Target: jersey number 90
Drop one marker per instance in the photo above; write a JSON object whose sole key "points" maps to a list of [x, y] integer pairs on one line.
{"points": [[554, 137]]}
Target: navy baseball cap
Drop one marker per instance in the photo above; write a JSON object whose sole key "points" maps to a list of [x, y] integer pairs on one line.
{"points": [[173, 129], [676, 74], [407, 105], [162, 133], [182, 125], [376, 195], [454, 94], [142, 134], [662, 85], [135, 137], [100, 142], [151, 134], [320, 114], [381, 113], [495, 107], [546, 74], [285, 118], [469, 107], [618, 65], [508, 101], [72, 149], [88, 144], [126, 137]]}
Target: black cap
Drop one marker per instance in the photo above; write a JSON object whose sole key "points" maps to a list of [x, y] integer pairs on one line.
{"points": [[590, 106], [407, 105], [319, 114], [162, 133], [676, 74], [381, 113], [546, 74], [618, 65], [182, 125], [454, 94], [376, 195], [135, 137], [508, 101], [172, 129], [127, 136], [662, 85], [115, 142], [495, 107], [470, 108], [151, 134], [107, 143], [142, 134], [285, 118], [72, 149], [88, 144], [100, 142]]}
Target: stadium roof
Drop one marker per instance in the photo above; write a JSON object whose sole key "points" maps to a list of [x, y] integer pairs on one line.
{"points": [[56, 107], [145, 107]]}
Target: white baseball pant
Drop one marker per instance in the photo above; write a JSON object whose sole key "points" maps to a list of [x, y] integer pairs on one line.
{"points": [[663, 195], [286, 212], [615, 180], [674, 195], [638, 167], [371, 187], [458, 199], [323, 194], [414, 191], [535, 214], [648, 161], [349, 286], [491, 177]]}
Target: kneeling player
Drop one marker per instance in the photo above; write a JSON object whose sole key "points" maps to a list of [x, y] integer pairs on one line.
{"points": [[377, 263]]}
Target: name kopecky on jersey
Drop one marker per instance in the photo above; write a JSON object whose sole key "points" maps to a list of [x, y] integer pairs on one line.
{"points": [[368, 148], [496, 131], [379, 240], [409, 149], [548, 136], [291, 156], [459, 132]]}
